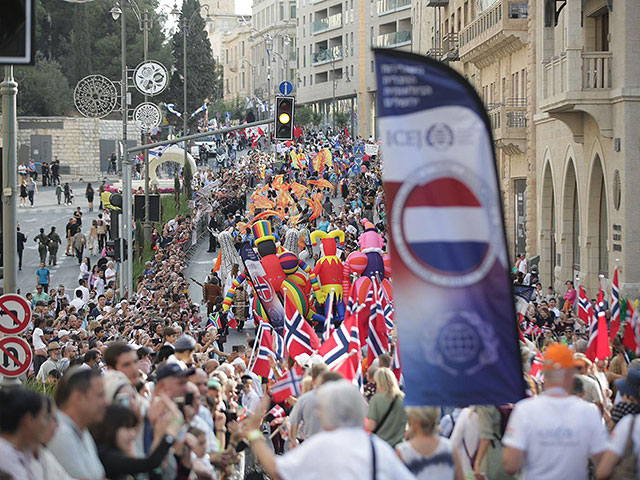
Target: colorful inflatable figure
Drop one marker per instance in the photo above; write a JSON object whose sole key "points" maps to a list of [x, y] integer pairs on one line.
{"points": [[329, 270], [371, 265], [282, 274]]}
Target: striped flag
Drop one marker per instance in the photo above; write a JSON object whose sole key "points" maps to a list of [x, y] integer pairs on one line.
{"points": [[377, 339], [299, 337], [273, 415], [274, 339], [631, 336], [290, 385], [615, 306], [396, 364], [585, 309], [328, 322], [215, 321], [536, 367], [336, 348], [351, 366]]}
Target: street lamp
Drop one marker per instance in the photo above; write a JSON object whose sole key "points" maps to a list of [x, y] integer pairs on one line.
{"points": [[126, 276], [185, 25]]}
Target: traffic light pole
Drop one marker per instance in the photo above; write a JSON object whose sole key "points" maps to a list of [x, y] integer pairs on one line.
{"points": [[9, 91]]}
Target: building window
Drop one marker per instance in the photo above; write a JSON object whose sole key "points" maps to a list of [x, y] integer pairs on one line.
{"points": [[304, 81], [292, 10], [603, 253], [243, 80], [372, 66]]}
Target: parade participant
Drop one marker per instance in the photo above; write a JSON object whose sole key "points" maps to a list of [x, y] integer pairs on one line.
{"points": [[553, 435]]}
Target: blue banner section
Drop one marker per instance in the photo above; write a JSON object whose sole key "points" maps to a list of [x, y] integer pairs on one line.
{"points": [[454, 305]]}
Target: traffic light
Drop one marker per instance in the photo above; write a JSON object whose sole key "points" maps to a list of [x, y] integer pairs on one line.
{"points": [[114, 249], [284, 118]]}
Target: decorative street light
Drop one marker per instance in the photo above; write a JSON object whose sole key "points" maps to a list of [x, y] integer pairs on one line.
{"points": [[186, 24]]}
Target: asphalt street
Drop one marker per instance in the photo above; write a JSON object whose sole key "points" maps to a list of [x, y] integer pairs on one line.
{"points": [[47, 213]]}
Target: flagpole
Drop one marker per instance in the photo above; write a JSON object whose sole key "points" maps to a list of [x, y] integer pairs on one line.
{"points": [[255, 344]]}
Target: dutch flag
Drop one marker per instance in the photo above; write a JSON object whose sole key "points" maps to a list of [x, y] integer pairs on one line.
{"points": [[445, 226]]}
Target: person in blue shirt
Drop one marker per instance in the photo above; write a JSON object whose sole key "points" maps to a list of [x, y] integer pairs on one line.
{"points": [[323, 225], [43, 275]]}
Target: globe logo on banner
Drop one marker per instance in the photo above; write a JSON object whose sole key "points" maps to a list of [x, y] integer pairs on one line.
{"points": [[444, 233]]}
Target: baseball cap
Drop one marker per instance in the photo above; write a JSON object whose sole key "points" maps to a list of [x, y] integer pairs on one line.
{"points": [[185, 343], [63, 333], [173, 370], [557, 356], [629, 385]]}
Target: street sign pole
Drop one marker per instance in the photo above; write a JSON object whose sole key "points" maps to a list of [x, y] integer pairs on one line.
{"points": [[9, 91]]}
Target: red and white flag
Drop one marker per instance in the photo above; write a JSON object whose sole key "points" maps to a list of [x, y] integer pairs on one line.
{"points": [[290, 385], [615, 306], [598, 347], [299, 337], [351, 367]]}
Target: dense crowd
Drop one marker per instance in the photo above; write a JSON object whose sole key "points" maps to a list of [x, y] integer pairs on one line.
{"points": [[147, 386]]}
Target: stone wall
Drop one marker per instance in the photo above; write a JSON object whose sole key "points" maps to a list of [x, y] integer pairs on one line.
{"points": [[75, 141]]}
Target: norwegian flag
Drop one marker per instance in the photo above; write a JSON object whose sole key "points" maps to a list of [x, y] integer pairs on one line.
{"points": [[328, 322], [615, 306], [261, 364], [388, 315], [585, 309], [351, 367], [536, 368], [274, 340], [598, 346], [290, 385], [336, 348], [378, 339], [299, 337], [363, 314], [522, 295]]}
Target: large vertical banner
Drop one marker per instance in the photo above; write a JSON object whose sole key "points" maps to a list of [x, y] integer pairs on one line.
{"points": [[454, 306]]}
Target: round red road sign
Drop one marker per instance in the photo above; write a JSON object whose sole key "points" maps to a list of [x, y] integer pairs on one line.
{"points": [[15, 314], [15, 356]]}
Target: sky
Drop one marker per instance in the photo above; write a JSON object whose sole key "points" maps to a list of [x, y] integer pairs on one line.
{"points": [[243, 7]]}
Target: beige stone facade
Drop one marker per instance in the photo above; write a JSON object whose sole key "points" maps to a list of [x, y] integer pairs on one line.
{"points": [[273, 46], [587, 109], [488, 43], [239, 75], [334, 56], [82, 145]]}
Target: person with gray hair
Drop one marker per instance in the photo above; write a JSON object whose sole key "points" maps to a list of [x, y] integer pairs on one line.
{"points": [[342, 450]]}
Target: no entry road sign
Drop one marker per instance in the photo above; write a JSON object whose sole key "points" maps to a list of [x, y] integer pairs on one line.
{"points": [[15, 356], [15, 314]]}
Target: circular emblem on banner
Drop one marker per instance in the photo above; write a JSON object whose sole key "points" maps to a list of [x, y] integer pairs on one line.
{"points": [[150, 78], [95, 96], [446, 225], [147, 116], [440, 136]]}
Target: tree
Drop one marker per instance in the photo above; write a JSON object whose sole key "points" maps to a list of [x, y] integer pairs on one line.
{"points": [[43, 90], [81, 44], [305, 115], [202, 76], [186, 181], [342, 119]]}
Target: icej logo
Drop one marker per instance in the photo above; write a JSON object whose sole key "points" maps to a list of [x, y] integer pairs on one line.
{"points": [[438, 136], [446, 226]]}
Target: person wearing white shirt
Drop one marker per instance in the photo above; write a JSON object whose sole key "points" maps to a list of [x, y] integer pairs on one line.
{"points": [[77, 302], [109, 273], [249, 399], [353, 453], [82, 286], [465, 438], [553, 435]]}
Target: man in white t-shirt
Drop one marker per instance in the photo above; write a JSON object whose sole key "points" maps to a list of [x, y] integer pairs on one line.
{"points": [[552, 436], [109, 273]]}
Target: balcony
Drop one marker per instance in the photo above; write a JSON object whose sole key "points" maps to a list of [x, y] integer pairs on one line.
{"points": [[326, 24], [391, 6], [450, 52], [394, 39], [437, 3], [499, 31], [578, 82], [509, 123], [326, 55]]}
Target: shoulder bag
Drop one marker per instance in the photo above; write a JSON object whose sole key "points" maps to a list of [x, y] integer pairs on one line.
{"points": [[386, 414]]}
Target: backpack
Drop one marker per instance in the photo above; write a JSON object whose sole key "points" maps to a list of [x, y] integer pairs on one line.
{"points": [[505, 412]]}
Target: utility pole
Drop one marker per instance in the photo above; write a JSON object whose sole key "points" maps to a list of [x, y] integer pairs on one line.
{"points": [[127, 267], [147, 209], [333, 77], [185, 25], [9, 91]]}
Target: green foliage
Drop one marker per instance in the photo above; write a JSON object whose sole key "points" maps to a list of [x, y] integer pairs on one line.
{"points": [[43, 89], [342, 120], [305, 115], [83, 39], [47, 390], [203, 78], [188, 176], [176, 187]]}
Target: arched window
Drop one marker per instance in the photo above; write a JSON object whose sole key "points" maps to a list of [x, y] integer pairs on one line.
{"points": [[603, 231]]}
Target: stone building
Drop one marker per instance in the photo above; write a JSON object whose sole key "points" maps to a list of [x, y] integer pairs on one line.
{"points": [[587, 108], [83, 145], [239, 75], [335, 58]]}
